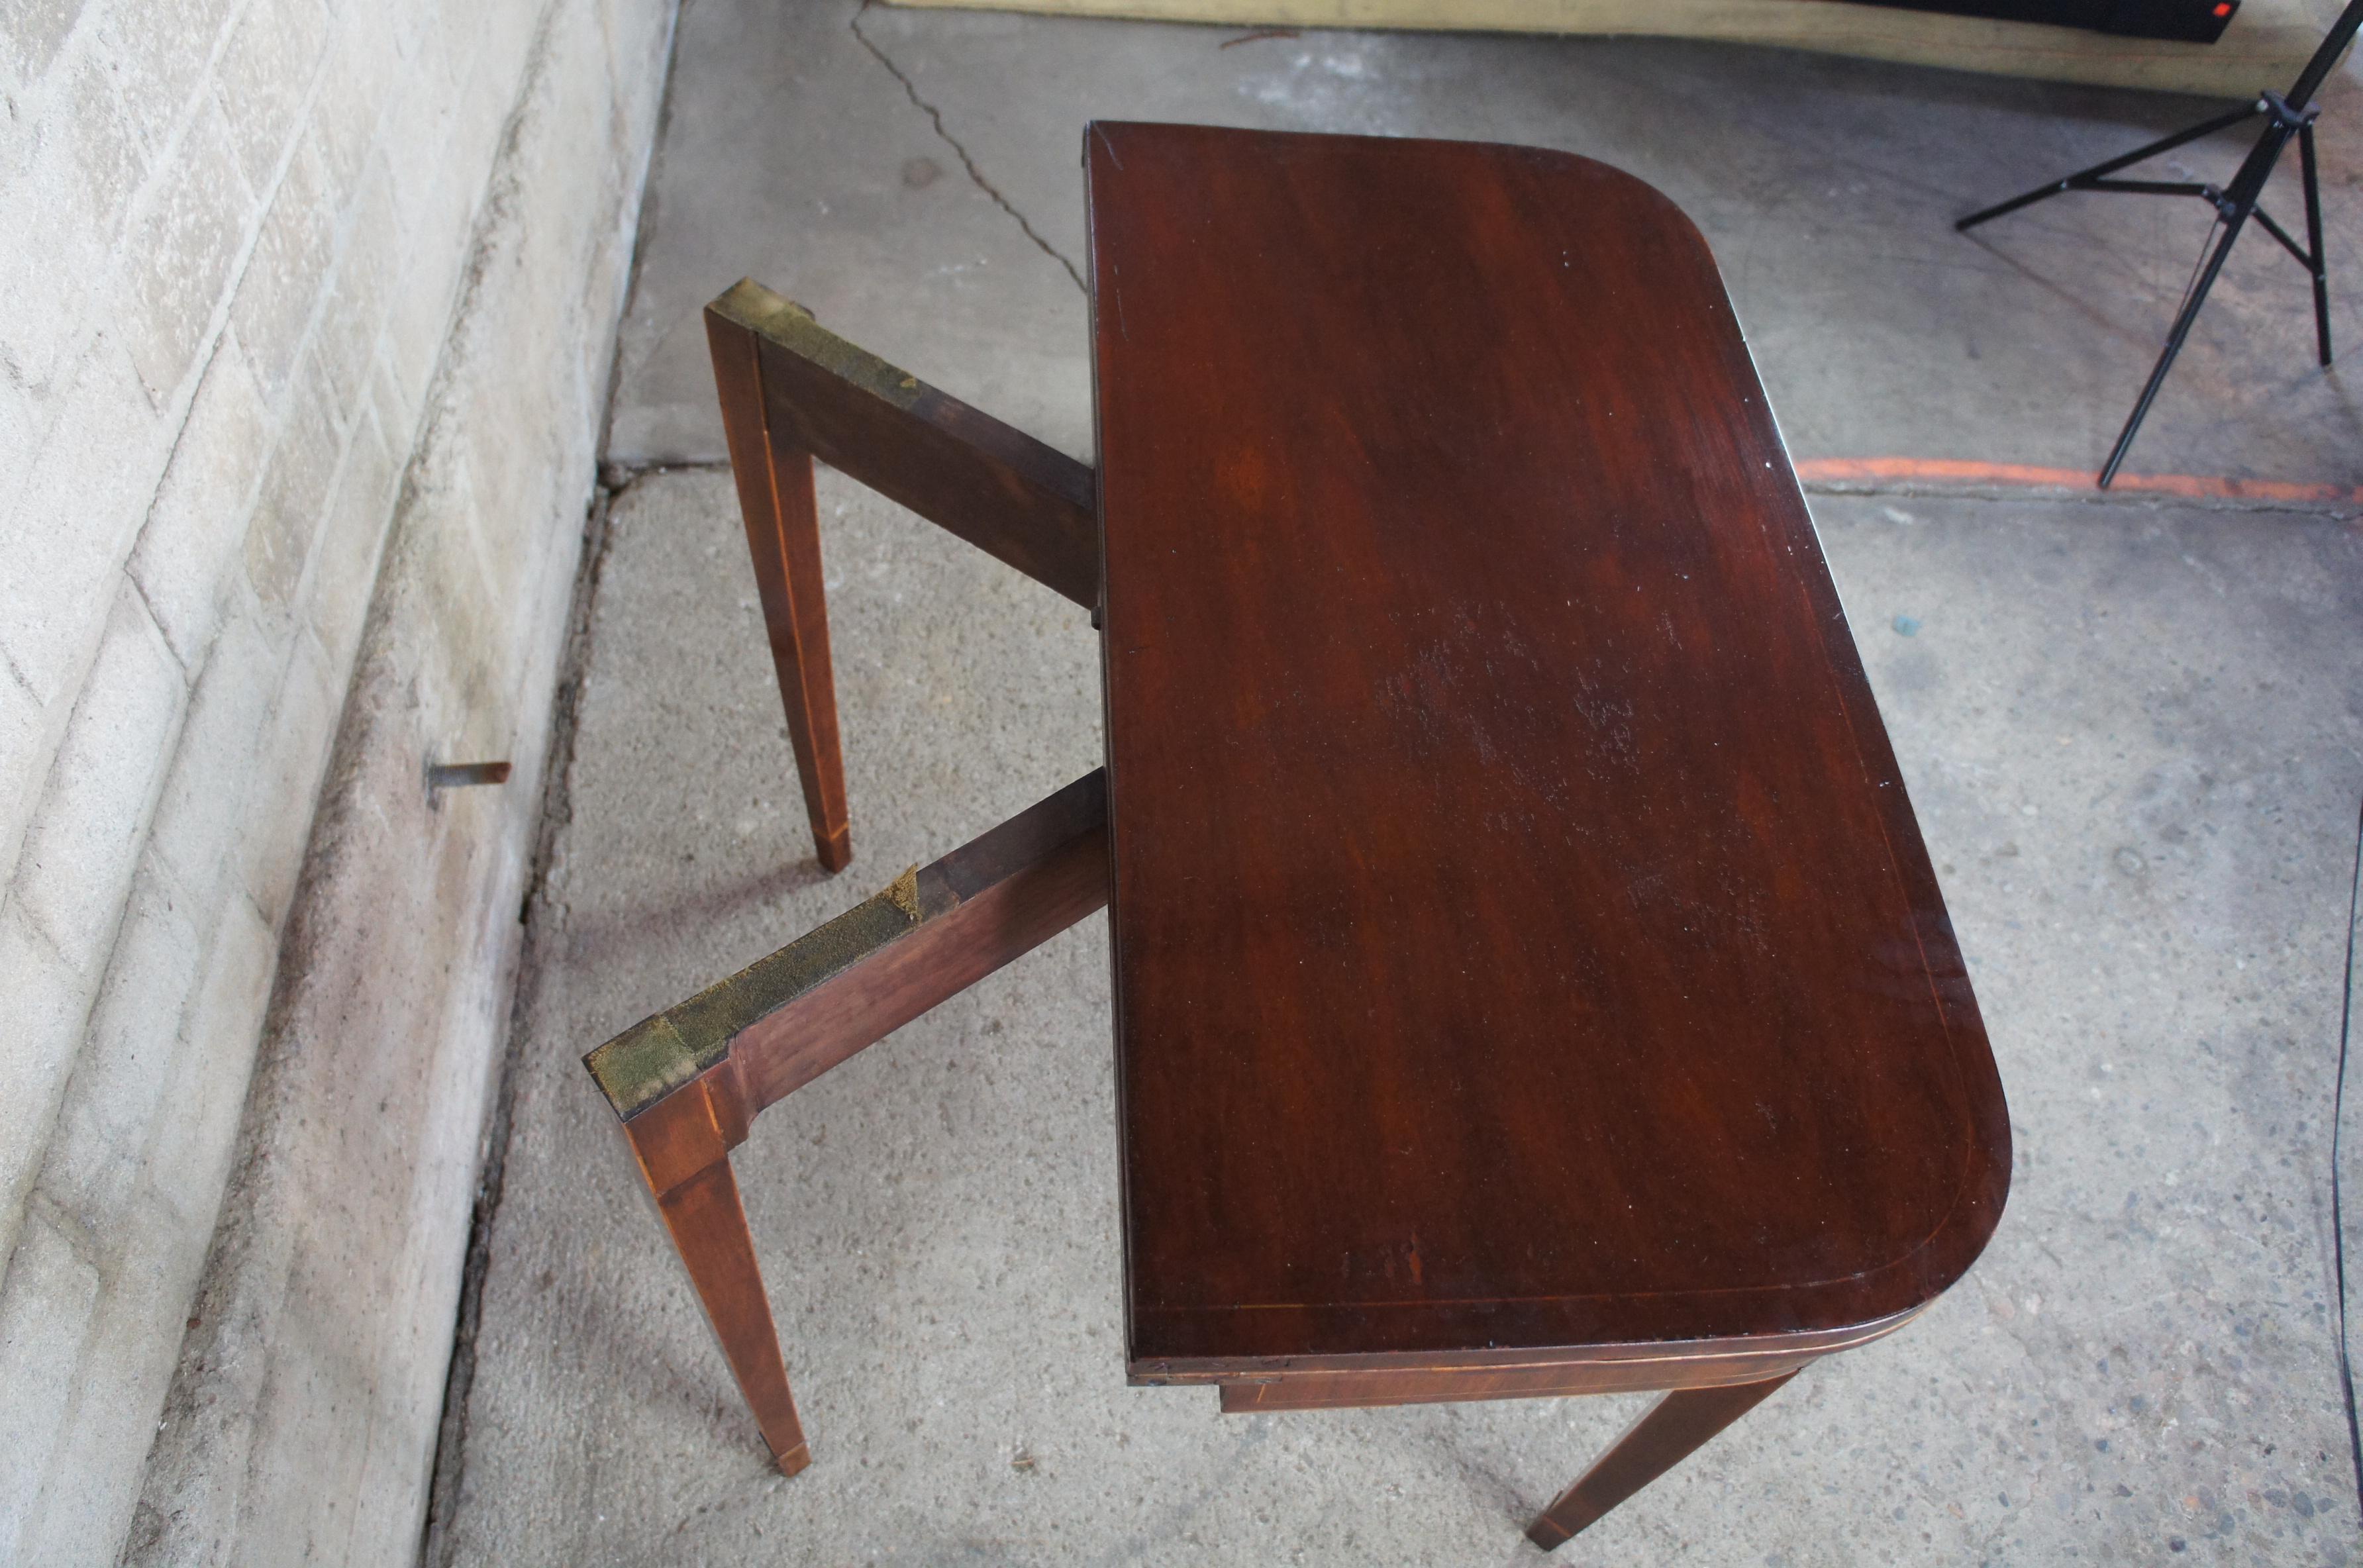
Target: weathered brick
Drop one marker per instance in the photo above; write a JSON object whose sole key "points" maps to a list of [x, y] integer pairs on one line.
{"points": [[203, 805], [126, 1055], [124, 1365], [85, 833], [48, 1003], [25, 746], [443, 57], [408, 27], [180, 255], [71, 520], [344, 566], [286, 272], [346, 336], [32, 31], [46, 1304], [287, 783], [415, 328], [294, 492], [396, 416], [192, 532], [158, 51], [108, 160], [20, 426], [416, 125], [70, 164], [264, 78], [351, 100], [190, 1159], [54, 264]]}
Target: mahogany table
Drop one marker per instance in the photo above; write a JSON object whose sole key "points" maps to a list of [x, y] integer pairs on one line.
{"points": [[1529, 977]]}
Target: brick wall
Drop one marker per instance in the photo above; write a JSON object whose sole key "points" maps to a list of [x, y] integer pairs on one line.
{"points": [[240, 243]]}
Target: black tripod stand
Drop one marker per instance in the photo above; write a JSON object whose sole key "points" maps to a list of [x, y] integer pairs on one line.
{"points": [[2285, 116]]}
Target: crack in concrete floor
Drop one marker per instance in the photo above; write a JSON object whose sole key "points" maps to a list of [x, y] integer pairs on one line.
{"points": [[967, 163]]}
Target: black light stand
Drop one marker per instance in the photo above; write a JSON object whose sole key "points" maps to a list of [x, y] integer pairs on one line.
{"points": [[2286, 115]]}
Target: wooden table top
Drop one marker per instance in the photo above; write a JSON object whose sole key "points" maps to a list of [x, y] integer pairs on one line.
{"points": [[1522, 940]]}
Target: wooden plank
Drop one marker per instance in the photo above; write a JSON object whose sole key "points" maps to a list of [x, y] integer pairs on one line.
{"points": [[1642, 1366], [1523, 938], [2265, 45], [786, 1019], [1012, 497], [1031, 898], [1357, 1390]]}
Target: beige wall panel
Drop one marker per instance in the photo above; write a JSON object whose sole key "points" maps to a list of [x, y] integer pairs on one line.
{"points": [[2264, 47]]}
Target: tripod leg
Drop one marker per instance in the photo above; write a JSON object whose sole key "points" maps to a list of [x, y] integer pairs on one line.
{"points": [[2182, 321], [2314, 254], [2163, 144]]}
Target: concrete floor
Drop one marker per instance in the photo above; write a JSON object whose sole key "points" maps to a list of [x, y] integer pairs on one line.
{"points": [[2131, 729]]}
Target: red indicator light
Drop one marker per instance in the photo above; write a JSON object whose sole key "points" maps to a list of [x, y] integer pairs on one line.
{"points": [[2224, 7]]}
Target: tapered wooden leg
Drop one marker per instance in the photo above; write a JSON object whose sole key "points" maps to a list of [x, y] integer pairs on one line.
{"points": [[1675, 1426], [683, 1152], [775, 498], [685, 1083], [709, 1226]]}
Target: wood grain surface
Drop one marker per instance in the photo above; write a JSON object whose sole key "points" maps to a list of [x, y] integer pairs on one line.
{"points": [[775, 480], [989, 902], [1542, 1380], [1018, 500], [1523, 939], [847, 983]]}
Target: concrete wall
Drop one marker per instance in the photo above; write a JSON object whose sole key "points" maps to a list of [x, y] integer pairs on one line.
{"points": [[305, 312]]}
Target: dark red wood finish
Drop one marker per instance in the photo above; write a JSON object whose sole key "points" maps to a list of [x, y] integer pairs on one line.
{"points": [[1017, 887], [689, 1082], [1668, 1432], [791, 391], [774, 477], [1522, 936]]}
